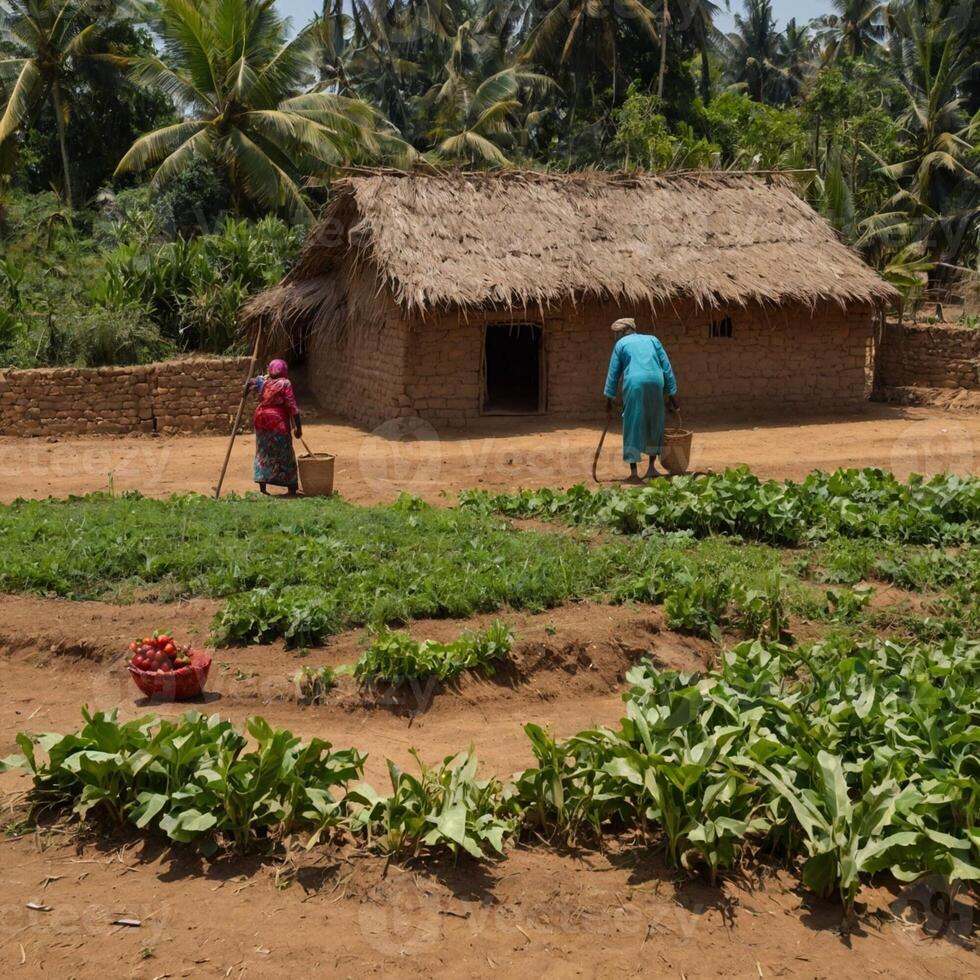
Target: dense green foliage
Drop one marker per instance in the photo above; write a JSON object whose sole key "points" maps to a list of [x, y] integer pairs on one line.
{"points": [[321, 566], [397, 657], [850, 758], [846, 503], [141, 290]]}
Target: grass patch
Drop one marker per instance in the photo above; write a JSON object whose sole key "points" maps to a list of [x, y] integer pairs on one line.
{"points": [[305, 570]]}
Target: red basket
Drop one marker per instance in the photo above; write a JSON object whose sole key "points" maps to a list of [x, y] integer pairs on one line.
{"points": [[174, 685]]}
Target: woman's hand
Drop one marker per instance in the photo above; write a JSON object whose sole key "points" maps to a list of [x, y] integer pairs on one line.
{"points": [[609, 405], [674, 403]]}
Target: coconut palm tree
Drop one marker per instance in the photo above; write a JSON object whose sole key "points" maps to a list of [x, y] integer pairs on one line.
{"points": [[484, 104], [937, 196], [246, 93], [855, 28], [49, 38], [696, 18], [794, 58], [752, 51], [578, 36]]}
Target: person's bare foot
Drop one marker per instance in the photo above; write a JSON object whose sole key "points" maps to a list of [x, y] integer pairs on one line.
{"points": [[633, 479], [652, 473]]}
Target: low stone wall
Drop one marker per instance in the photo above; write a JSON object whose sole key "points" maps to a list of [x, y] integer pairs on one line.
{"points": [[933, 357], [198, 394]]}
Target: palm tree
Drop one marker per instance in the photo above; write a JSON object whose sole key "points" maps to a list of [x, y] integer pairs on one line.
{"points": [[752, 50], [937, 196], [697, 19], [482, 107], [795, 52], [853, 30], [578, 36], [245, 90], [50, 38]]}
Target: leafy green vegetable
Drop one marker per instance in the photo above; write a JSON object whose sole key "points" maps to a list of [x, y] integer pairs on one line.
{"points": [[396, 657]]}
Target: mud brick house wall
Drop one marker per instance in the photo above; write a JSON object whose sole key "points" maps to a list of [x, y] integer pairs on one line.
{"points": [[455, 296], [189, 395]]}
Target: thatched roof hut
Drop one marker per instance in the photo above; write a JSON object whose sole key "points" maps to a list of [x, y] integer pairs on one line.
{"points": [[398, 260]]}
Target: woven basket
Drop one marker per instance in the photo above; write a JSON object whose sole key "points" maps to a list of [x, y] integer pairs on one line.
{"points": [[174, 685], [676, 454], [316, 474]]}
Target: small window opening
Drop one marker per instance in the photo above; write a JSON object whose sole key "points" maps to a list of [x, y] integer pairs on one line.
{"points": [[720, 328], [513, 369]]}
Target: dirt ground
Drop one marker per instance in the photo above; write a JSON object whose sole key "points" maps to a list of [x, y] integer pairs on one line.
{"points": [[409, 455], [337, 912], [543, 911]]}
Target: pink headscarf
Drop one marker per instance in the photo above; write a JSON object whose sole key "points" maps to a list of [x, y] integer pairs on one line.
{"points": [[278, 368]]}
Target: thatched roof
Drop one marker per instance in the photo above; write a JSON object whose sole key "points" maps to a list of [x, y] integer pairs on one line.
{"points": [[521, 239]]}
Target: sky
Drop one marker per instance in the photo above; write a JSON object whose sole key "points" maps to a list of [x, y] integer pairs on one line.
{"points": [[803, 10]]}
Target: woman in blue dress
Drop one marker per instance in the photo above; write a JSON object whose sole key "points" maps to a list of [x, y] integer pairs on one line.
{"points": [[641, 363]]}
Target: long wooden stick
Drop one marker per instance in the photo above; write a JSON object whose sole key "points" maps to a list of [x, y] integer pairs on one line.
{"points": [[238, 414], [598, 449]]}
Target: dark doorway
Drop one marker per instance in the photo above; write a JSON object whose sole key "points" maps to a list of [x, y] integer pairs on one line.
{"points": [[513, 369]]}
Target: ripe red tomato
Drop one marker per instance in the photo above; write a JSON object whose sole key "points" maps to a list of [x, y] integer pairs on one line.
{"points": [[169, 648]]}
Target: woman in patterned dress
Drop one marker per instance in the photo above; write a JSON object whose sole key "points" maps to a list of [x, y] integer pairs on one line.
{"points": [[275, 460]]}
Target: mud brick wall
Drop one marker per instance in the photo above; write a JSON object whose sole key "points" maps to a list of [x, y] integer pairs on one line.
{"points": [[358, 370], [189, 395], [929, 356], [790, 358]]}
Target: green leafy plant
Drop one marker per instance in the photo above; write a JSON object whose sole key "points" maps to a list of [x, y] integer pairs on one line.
{"points": [[443, 806], [396, 657]]}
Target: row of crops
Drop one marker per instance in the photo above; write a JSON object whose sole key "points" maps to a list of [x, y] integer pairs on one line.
{"points": [[724, 553], [848, 760], [944, 509]]}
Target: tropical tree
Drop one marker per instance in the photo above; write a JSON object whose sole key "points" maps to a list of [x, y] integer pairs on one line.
{"points": [[696, 18], [937, 185], [246, 91], [49, 39], [483, 106], [853, 30], [579, 38], [751, 51], [794, 59]]}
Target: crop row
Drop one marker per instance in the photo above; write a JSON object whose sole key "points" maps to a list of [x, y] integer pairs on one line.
{"points": [[847, 503], [850, 759], [327, 566]]}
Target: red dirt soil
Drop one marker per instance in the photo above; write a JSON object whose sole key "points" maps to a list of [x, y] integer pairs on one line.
{"points": [[335, 911], [500, 454]]}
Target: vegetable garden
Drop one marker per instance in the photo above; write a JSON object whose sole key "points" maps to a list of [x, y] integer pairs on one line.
{"points": [[833, 731]]}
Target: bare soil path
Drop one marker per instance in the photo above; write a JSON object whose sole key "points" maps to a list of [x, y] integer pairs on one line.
{"points": [[411, 456]]}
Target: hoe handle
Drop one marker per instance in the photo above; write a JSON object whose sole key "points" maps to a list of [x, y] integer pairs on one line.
{"points": [[238, 414]]}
